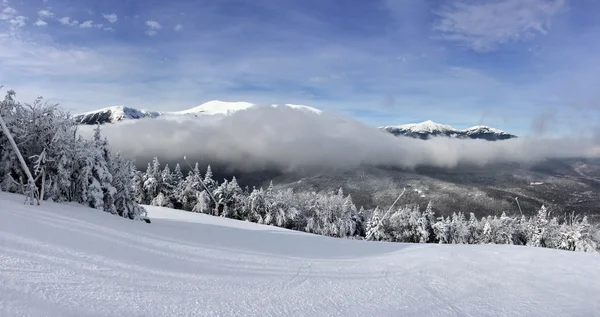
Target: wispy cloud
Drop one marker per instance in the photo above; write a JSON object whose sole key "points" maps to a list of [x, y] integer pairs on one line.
{"points": [[87, 24], [68, 21], [40, 23], [90, 24], [178, 27], [153, 27], [45, 13], [7, 13], [18, 21], [112, 17], [483, 26]]}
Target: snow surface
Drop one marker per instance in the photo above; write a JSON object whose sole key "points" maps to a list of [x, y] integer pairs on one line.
{"points": [[426, 127], [68, 260], [302, 107], [118, 113], [217, 107], [483, 129]]}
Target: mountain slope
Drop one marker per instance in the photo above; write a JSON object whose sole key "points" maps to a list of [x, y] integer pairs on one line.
{"points": [[68, 260], [114, 114], [428, 129]]}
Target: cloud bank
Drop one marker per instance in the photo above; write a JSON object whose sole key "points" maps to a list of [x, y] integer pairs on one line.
{"points": [[267, 138]]}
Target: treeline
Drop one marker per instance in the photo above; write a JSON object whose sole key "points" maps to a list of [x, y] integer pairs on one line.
{"points": [[67, 167], [334, 214]]}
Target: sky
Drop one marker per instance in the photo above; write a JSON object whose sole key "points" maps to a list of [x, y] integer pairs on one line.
{"points": [[524, 66]]}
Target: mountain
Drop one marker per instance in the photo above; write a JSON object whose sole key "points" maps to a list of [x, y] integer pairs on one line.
{"points": [[215, 107], [423, 130], [428, 129], [114, 114]]}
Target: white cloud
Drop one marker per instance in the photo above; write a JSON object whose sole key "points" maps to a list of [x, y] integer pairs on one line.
{"points": [[45, 14], [153, 25], [9, 10], [483, 26], [178, 27], [112, 18], [7, 13], [87, 24], [90, 24], [40, 23], [68, 21], [18, 21]]}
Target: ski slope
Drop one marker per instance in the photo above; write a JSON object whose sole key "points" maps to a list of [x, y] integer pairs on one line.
{"points": [[68, 260]]}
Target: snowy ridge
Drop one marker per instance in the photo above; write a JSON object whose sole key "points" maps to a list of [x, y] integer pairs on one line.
{"points": [[427, 129], [482, 128], [114, 114], [68, 260], [214, 107], [301, 107]]}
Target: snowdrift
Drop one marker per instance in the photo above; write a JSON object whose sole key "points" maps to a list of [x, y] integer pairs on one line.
{"points": [[68, 260]]}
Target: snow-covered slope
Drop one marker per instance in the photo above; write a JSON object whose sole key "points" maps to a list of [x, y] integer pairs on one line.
{"points": [[215, 107], [427, 129], [67, 260], [114, 114]]}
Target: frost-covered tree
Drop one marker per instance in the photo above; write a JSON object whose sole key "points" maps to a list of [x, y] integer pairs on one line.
{"points": [[67, 166]]}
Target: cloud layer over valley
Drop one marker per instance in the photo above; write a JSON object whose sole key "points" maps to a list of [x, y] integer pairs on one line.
{"points": [[286, 139]]}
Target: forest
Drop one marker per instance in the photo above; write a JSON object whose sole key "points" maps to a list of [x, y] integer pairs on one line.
{"points": [[85, 171]]}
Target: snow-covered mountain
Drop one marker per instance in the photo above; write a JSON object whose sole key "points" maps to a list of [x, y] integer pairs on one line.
{"points": [[428, 129], [214, 107], [114, 114], [423, 130]]}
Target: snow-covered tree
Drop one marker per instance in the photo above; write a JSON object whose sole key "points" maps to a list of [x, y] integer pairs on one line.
{"points": [[67, 166]]}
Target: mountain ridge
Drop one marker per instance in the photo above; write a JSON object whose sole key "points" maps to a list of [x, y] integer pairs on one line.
{"points": [[115, 114], [427, 129], [424, 130]]}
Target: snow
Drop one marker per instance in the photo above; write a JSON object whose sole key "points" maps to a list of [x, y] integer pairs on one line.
{"points": [[216, 107], [482, 128], [302, 107], [68, 260], [210, 108], [430, 127], [425, 127], [118, 113]]}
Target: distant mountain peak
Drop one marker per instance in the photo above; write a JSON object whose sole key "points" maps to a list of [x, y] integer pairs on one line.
{"points": [[217, 107], [428, 129], [426, 126]]}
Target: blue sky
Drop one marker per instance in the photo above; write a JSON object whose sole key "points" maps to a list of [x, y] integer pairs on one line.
{"points": [[519, 65]]}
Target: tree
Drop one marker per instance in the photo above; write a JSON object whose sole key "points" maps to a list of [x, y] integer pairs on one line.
{"points": [[76, 169]]}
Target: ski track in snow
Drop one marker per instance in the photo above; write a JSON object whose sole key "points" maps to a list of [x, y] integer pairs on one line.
{"points": [[67, 260]]}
